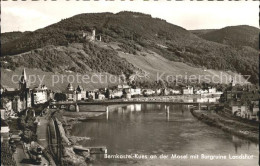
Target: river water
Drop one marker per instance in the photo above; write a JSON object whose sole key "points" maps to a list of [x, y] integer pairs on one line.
{"points": [[147, 131]]}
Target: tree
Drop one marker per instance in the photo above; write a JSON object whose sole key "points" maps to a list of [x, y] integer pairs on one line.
{"points": [[107, 94], [60, 97]]}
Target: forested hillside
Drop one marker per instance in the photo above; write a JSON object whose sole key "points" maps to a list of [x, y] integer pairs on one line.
{"points": [[135, 33], [236, 36]]}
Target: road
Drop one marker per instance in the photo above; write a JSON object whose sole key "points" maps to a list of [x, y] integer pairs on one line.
{"points": [[42, 132]]}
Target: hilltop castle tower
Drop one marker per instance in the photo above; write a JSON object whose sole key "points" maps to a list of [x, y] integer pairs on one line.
{"points": [[89, 36], [93, 36]]}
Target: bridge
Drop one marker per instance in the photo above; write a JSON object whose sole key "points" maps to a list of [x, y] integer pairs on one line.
{"points": [[67, 104]]}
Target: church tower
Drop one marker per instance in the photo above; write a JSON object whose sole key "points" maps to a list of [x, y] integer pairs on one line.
{"points": [[23, 81], [25, 95]]}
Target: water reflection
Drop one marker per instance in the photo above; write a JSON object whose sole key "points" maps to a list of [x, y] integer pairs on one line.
{"points": [[161, 129]]}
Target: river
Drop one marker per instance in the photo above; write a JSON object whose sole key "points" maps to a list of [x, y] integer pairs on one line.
{"points": [[146, 131]]}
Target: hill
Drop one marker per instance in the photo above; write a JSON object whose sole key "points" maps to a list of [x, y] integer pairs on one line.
{"points": [[75, 57], [200, 32], [61, 47], [236, 36], [11, 36]]}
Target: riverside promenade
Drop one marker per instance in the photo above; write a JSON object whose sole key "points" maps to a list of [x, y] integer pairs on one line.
{"points": [[76, 104]]}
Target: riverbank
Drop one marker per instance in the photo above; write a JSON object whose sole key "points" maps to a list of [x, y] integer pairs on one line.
{"points": [[65, 122], [69, 157], [233, 126]]}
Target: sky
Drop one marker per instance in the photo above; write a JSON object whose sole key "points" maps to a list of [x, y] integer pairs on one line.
{"points": [[32, 15]]}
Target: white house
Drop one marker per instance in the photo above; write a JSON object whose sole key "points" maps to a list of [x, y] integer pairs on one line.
{"points": [[213, 100], [136, 91], [124, 86], [212, 90], [81, 94], [4, 127], [40, 95], [101, 97], [116, 94], [70, 93], [201, 91], [78, 95], [3, 113], [187, 90], [174, 91], [158, 91], [148, 92], [239, 110]]}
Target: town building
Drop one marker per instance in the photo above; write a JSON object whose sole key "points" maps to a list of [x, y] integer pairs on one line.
{"points": [[101, 96], [239, 110], [81, 94], [246, 112], [201, 91], [132, 91], [116, 94], [91, 95], [17, 100], [187, 90], [70, 93], [122, 87], [158, 91], [128, 95], [212, 90], [165, 92], [254, 108], [148, 92], [3, 113], [136, 91], [4, 131], [4, 127], [174, 92], [7, 104], [17, 104], [40, 95], [50, 95]]}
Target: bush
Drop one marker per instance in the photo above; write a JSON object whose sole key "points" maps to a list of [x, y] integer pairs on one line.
{"points": [[7, 155], [60, 97], [29, 128]]}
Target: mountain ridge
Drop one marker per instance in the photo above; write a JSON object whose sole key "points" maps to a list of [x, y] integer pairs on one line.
{"points": [[236, 36], [136, 34]]}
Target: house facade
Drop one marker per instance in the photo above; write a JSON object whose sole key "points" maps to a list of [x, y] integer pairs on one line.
{"points": [[40, 95], [187, 90], [116, 94], [81, 94], [70, 93]]}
